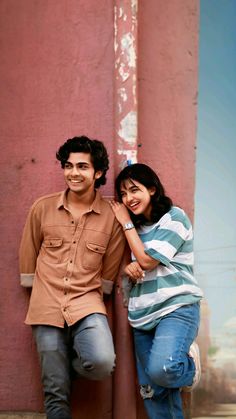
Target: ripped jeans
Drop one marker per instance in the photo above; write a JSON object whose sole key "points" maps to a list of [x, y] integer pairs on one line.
{"points": [[87, 346], [163, 363]]}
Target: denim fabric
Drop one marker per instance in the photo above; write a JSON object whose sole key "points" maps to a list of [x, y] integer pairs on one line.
{"points": [[87, 346], [163, 362]]}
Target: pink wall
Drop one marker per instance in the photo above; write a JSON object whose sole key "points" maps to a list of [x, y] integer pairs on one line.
{"points": [[167, 71], [56, 78], [56, 75]]}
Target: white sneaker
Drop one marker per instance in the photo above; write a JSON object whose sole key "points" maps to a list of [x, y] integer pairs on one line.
{"points": [[146, 391], [195, 354]]}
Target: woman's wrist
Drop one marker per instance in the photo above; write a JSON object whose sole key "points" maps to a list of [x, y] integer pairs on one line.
{"points": [[128, 225]]}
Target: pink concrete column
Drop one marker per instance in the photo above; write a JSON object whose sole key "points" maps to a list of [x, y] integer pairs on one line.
{"points": [[168, 85], [125, 102], [125, 45]]}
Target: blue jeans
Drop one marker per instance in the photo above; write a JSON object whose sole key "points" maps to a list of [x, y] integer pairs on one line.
{"points": [[87, 346], [163, 363]]}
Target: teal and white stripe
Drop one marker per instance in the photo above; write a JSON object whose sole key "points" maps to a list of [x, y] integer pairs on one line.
{"points": [[171, 284]]}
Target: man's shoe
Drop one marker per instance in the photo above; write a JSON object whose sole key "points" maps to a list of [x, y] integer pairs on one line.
{"points": [[195, 354]]}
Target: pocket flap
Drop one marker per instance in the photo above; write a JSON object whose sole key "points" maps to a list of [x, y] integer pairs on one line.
{"points": [[52, 242], [96, 248]]}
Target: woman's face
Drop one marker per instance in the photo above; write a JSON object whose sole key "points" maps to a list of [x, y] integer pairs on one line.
{"points": [[136, 197]]}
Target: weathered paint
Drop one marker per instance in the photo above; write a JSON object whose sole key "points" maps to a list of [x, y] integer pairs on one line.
{"points": [[125, 103], [125, 47]]}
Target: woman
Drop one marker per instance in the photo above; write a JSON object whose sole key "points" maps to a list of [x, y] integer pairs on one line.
{"points": [[163, 307]]}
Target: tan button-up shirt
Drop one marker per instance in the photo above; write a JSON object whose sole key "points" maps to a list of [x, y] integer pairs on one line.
{"points": [[69, 262]]}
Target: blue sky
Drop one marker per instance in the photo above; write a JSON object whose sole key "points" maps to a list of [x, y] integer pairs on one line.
{"points": [[215, 197]]}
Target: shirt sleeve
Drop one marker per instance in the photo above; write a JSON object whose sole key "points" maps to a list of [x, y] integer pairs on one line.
{"points": [[168, 240], [29, 247], [113, 257]]}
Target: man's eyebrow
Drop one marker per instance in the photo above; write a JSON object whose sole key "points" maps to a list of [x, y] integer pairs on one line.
{"points": [[84, 163], [79, 162]]}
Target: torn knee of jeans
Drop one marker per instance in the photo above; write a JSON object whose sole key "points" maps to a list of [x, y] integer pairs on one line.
{"points": [[88, 366], [146, 391], [169, 364]]}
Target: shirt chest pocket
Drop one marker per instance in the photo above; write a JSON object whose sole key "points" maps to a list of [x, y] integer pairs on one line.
{"points": [[93, 255], [52, 250]]}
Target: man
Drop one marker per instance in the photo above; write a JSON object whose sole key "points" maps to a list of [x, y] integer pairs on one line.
{"points": [[71, 250]]}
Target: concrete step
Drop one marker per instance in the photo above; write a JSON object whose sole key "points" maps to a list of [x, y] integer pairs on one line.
{"points": [[22, 415]]}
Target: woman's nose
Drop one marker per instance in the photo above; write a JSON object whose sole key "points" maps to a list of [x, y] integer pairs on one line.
{"points": [[128, 197]]}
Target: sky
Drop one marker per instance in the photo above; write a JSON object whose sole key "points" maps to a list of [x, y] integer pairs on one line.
{"points": [[215, 196]]}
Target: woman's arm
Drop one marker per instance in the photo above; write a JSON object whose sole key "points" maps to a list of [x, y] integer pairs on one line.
{"points": [[145, 261]]}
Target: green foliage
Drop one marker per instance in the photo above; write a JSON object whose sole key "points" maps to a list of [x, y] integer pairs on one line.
{"points": [[213, 350]]}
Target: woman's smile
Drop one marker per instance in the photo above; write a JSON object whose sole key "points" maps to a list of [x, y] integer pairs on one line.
{"points": [[136, 197]]}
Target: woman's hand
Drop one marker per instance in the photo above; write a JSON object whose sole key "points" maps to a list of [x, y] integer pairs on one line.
{"points": [[120, 212], [134, 271]]}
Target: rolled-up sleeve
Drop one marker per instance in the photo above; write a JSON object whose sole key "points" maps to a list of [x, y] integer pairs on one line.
{"points": [[29, 247], [113, 258]]}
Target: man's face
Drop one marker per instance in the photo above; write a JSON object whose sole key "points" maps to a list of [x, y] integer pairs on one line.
{"points": [[79, 173]]}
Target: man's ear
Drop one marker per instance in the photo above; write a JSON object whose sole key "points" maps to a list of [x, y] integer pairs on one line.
{"points": [[98, 174]]}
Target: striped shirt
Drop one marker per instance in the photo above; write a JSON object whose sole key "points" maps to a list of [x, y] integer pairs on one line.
{"points": [[170, 284]]}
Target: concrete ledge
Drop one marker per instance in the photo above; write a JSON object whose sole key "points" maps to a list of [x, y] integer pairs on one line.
{"points": [[22, 415]]}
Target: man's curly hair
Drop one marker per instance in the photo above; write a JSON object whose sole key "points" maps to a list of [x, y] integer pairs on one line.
{"points": [[95, 148]]}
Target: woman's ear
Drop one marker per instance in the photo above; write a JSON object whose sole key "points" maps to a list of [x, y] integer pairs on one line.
{"points": [[152, 190]]}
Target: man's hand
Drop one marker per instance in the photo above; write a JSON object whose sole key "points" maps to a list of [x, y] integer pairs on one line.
{"points": [[135, 272]]}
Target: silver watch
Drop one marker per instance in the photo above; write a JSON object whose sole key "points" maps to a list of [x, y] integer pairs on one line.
{"points": [[128, 226]]}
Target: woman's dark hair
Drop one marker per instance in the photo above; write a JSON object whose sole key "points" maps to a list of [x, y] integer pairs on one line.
{"points": [[146, 176], [95, 148]]}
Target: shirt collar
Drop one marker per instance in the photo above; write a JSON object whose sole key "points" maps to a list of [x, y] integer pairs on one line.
{"points": [[95, 206]]}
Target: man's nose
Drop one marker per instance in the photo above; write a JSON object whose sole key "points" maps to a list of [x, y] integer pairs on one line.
{"points": [[75, 170]]}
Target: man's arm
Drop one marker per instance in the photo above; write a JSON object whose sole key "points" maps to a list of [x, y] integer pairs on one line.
{"points": [[113, 258], [29, 248]]}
